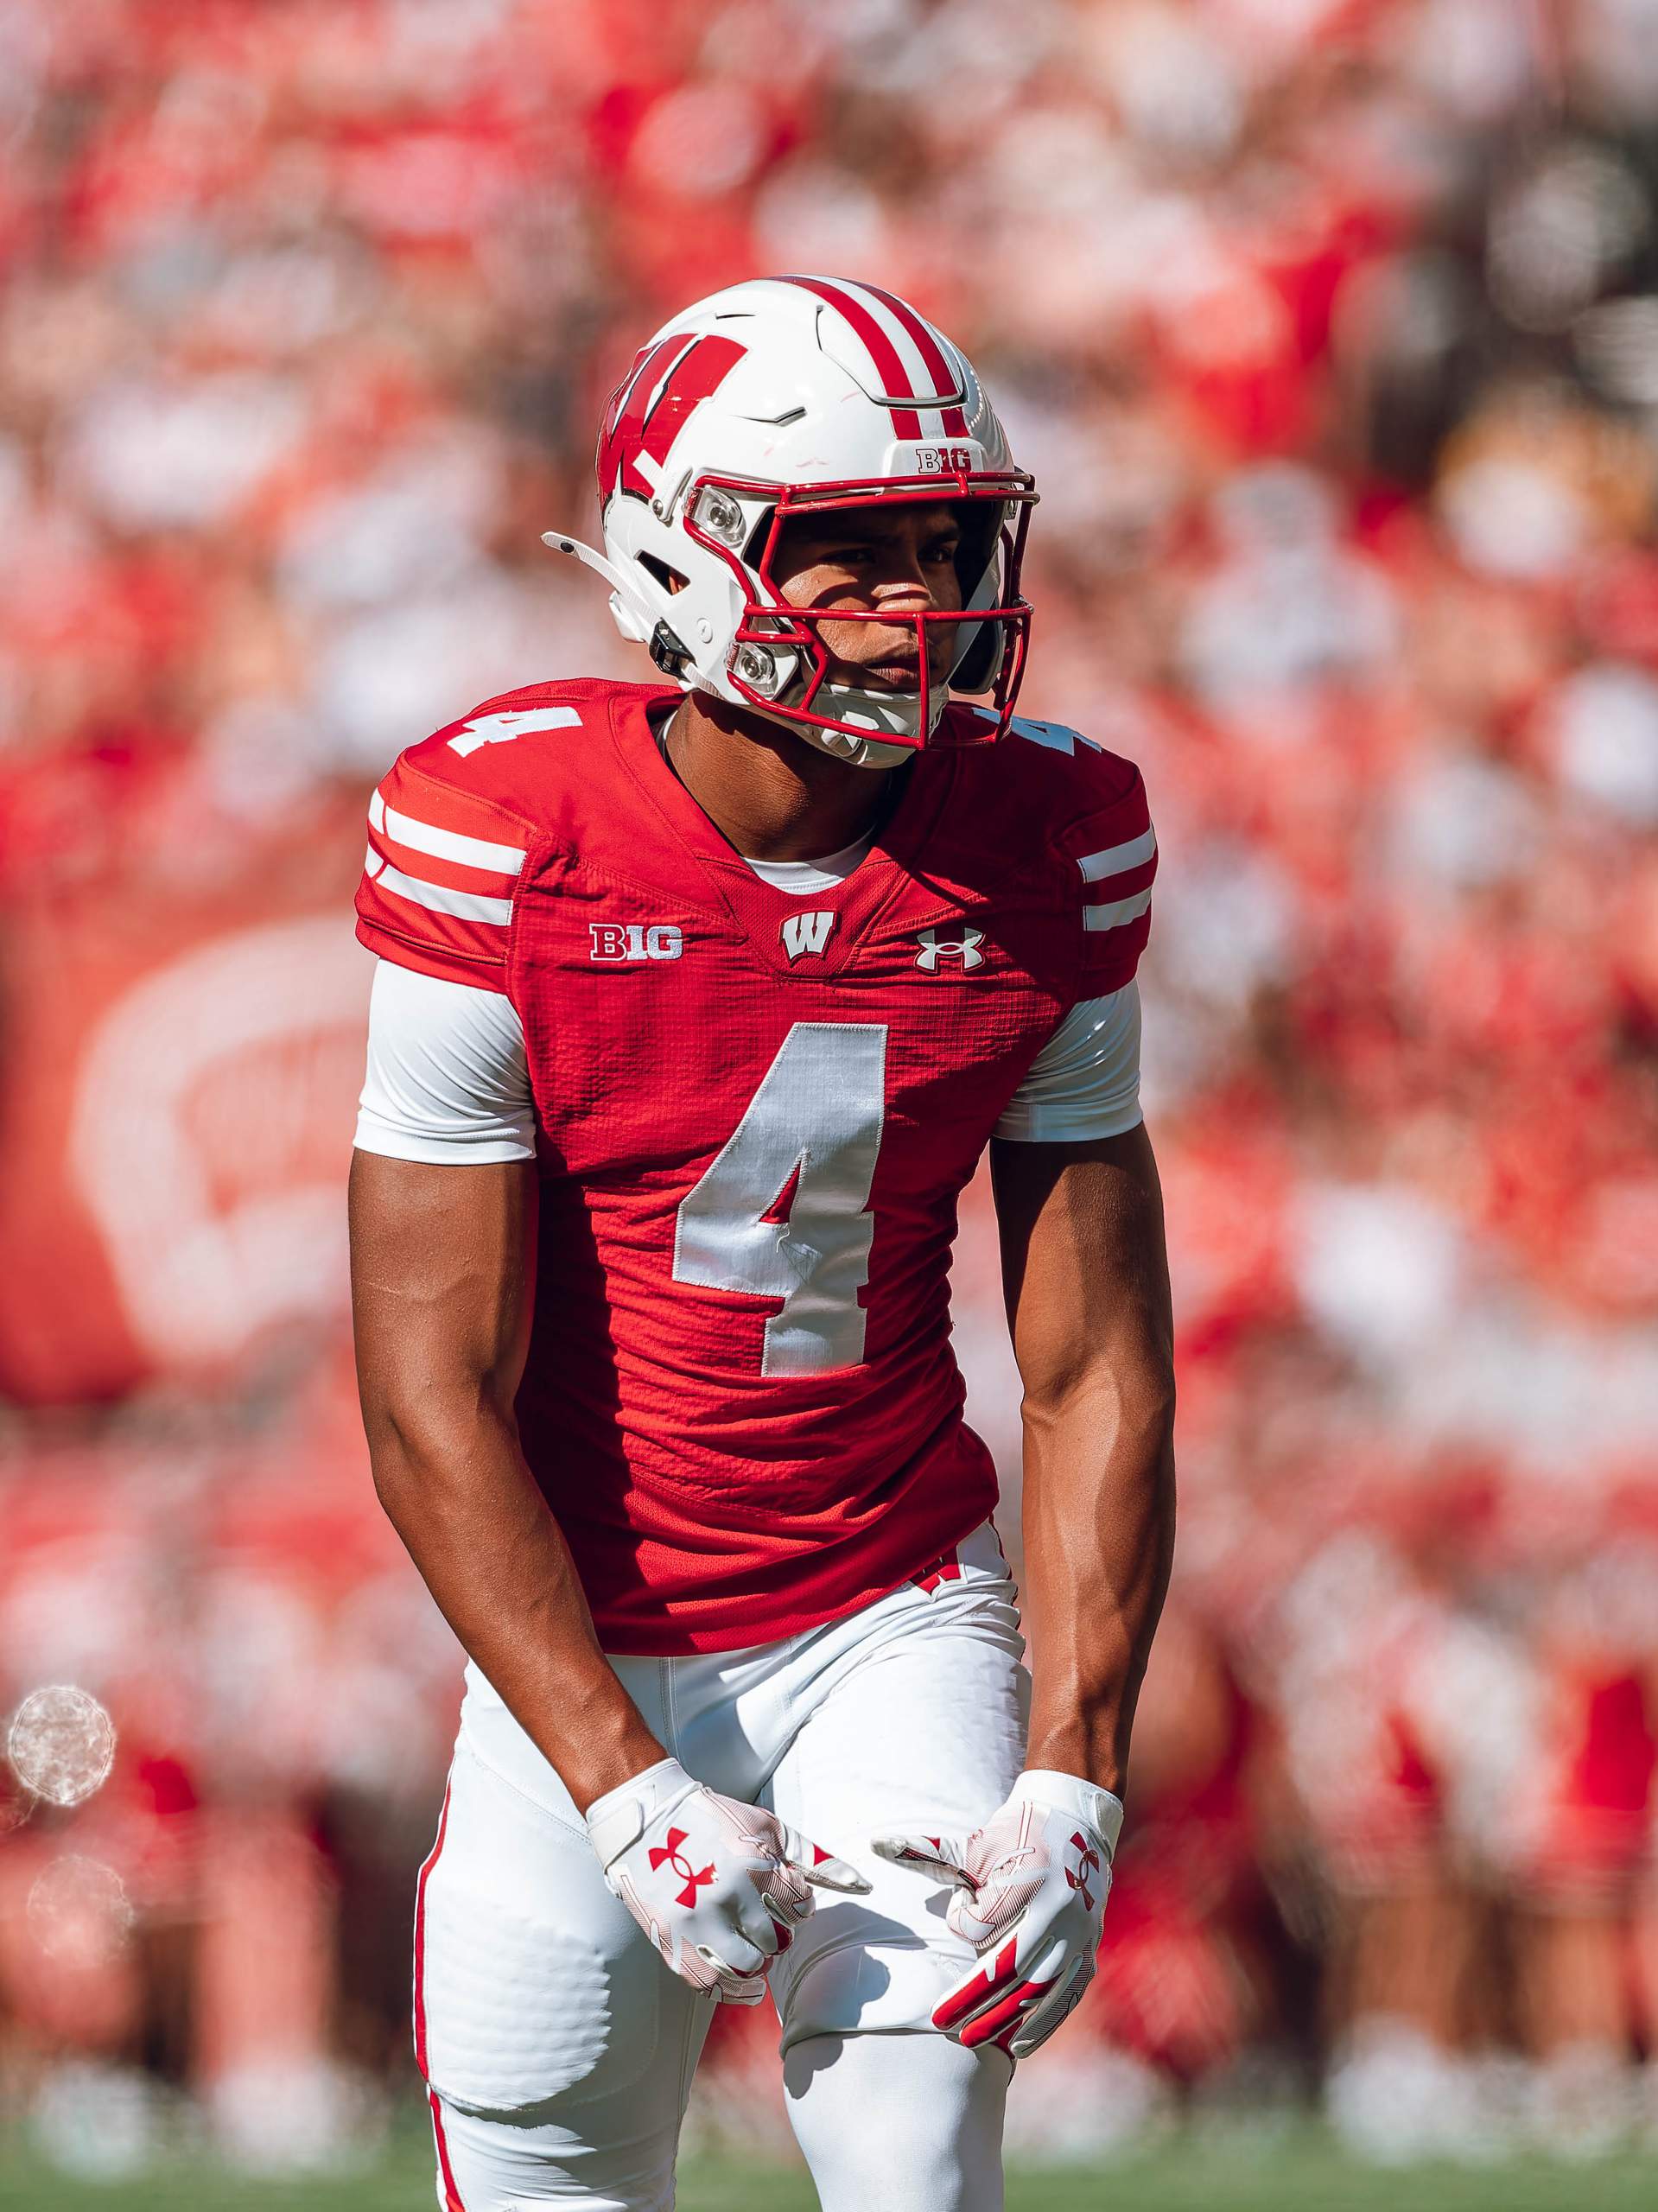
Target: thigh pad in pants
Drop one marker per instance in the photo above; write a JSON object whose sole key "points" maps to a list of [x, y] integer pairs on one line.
{"points": [[536, 1994]]}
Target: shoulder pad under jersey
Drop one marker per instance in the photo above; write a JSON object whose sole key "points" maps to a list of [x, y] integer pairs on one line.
{"points": [[1102, 833], [450, 827]]}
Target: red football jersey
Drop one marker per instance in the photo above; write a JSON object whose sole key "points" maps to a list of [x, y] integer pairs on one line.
{"points": [[755, 1116]]}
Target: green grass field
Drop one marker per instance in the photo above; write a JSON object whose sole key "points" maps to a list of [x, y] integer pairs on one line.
{"points": [[1300, 2171]]}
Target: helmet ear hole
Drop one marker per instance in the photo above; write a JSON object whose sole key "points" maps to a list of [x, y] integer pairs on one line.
{"points": [[669, 579]]}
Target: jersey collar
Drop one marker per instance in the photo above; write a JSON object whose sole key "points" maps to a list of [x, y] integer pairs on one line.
{"points": [[758, 908]]}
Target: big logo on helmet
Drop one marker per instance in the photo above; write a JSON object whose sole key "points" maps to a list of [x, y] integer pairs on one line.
{"points": [[668, 381]]}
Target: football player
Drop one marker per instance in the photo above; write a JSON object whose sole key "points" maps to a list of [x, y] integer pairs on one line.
{"points": [[698, 1000]]}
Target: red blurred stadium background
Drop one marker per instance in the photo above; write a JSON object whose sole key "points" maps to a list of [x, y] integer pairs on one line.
{"points": [[1330, 332]]}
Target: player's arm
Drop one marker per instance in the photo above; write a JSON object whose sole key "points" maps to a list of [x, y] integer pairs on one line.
{"points": [[443, 1193], [1086, 1279], [442, 1281], [1085, 1275], [1088, 1297]]}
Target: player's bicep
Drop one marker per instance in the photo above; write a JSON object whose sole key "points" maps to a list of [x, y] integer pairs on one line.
{"points": [[1084, 1265], [442, 1261]]}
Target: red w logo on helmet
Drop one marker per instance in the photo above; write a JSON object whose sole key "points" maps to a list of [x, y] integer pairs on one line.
{"points": [[668, 381]]}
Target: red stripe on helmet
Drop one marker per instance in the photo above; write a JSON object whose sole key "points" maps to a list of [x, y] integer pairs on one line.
{"points": [[889, 363], [930, 351]]}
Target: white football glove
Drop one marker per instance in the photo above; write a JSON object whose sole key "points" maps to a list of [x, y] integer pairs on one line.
{"points": [[717, 1885], [1031, 1887]]}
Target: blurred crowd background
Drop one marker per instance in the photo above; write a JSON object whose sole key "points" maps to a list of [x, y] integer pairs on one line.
{"points": [[1330, 328]]}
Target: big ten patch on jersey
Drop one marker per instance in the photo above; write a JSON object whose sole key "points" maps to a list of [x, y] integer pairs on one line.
{"points": [[455, 820]]}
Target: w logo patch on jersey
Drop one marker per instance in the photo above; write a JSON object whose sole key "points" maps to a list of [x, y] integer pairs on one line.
{"points": [[668, 382], [804, 933]]}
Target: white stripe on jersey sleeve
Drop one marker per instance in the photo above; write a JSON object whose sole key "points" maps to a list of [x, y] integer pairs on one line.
{"points": [[1085, 1081], [449, 1080], [443, 844], [437, 898], [1116, 860], [1112, 917]]}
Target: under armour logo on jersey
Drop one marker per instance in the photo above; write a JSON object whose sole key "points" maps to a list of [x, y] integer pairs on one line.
{"points": [[935, 948], [636, 940], [806, 933], [672, 1854], [1087, 1862]]}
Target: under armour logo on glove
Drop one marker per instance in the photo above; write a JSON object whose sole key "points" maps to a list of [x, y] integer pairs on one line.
{"points": [[1031, 1887], [1087, 1862], [718, 1886], [671, 1854]]}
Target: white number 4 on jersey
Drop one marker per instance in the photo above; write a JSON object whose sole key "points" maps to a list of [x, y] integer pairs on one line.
{"points": [[781, 1209]]}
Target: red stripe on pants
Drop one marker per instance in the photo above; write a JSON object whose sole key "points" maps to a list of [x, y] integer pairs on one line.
{"points": [[451, 2195], [435, 1854]]}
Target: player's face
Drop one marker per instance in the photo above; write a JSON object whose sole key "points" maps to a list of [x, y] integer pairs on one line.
{"points": [[896, 561]]}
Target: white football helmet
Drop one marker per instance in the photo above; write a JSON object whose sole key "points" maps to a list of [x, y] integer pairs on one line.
{"points": [[765, 401]]}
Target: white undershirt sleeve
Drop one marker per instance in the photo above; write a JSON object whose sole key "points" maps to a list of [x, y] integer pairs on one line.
{"points": [[449, 1080], [1085, 1081]]}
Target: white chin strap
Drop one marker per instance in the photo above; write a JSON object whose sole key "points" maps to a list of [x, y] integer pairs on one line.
{"points": [[858, 751], [842, 701], [883, 714]]}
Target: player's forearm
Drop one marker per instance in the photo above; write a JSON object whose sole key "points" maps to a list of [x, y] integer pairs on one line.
{"points": [[458, 1493], [1099, 1535]]}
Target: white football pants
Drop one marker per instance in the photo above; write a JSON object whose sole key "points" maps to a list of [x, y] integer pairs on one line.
{"points": [[557, 2047]]}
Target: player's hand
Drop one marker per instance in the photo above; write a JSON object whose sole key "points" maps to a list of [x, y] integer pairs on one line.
{"points": [[718, 1886], [1031, 1887]]}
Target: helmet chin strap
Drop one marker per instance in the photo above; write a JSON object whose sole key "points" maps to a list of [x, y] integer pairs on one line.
{"points": [[857, 752], [879, 712]]}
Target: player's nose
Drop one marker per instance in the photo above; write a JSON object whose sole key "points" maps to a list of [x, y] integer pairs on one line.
{"points": [[905, 579]]}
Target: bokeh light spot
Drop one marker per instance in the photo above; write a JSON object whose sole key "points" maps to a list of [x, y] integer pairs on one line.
{"points": [[61, 1744], [79, 1912]]}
